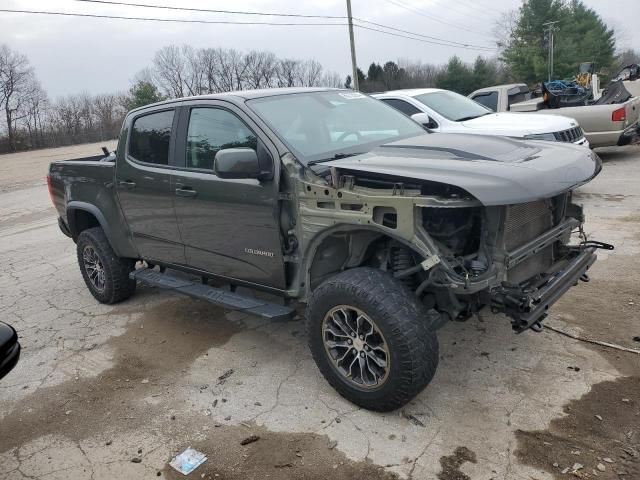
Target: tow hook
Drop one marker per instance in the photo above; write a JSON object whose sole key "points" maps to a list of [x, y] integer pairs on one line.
{"points": [[596, 244], [537, 326]]}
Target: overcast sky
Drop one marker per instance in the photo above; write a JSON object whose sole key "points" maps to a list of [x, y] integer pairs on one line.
{"points": [[103, 55]]}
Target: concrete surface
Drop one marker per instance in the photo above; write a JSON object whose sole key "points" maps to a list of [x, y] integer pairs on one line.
{"points": [[116, 391]]}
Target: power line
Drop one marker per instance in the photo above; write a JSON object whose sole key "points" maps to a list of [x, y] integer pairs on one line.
{"points": [[449, 43], [273, 14], [170, 20], [208, 10], [435, 18], [469, 5], [484, 49], [442, 42]]}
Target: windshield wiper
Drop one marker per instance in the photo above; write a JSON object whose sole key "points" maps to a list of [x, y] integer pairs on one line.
{"points": [[337, 156], [471, 117]]}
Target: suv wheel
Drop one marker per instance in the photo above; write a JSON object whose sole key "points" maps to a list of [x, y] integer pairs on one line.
{"points": [[371, 338], [105, 274]]}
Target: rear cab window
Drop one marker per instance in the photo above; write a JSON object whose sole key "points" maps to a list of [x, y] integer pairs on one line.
{"points": [[488, 99], [150, 137], [517, 95]]}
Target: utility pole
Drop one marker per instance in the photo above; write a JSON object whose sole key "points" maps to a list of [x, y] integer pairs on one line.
{"points": [[550, 28], [354, 64]]}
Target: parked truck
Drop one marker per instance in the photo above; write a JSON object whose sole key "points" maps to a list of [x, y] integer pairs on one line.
{"points": [[603, 125], [333, 199]]}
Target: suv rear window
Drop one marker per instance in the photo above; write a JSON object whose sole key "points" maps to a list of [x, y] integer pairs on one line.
{"points": [[150, 137], [404, 107]]}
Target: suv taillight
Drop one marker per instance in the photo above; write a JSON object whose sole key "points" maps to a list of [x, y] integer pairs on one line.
{"points": [[50, 188], [619, 115]]}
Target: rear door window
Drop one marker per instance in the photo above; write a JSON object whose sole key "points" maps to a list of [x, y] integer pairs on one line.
{"points": [[489, 100], [150, 138]]}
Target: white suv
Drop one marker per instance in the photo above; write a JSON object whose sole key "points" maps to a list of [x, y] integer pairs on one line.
{"points": [[448, 112]]}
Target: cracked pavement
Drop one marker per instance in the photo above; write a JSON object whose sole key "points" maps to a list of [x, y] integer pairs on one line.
{"points": [[116, 391]]}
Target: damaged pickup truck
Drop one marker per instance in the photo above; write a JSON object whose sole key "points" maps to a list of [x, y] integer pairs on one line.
{"points": [[336, 200]]}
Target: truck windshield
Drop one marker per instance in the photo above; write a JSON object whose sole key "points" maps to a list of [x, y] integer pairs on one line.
{"points": [[453, 106], [332, 124]]}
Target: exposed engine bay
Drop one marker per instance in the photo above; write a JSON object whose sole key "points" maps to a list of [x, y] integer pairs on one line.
{"points": [[454, 253]]}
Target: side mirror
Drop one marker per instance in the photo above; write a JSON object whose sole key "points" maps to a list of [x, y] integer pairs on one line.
{"points": [[9, 349], [237, 163], [424, 119]]}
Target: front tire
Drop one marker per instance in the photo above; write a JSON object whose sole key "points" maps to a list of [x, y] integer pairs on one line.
{"points": [[371, 339], [105, 274]]}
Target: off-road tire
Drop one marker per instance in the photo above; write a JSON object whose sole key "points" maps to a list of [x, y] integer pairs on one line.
{"points": [[117, 284], [402, 320]]}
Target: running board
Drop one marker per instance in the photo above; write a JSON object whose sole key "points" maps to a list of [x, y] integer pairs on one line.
{"points": [[222, 298]]}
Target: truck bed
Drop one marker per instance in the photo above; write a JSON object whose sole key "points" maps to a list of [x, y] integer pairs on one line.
{"points": [[595, 120]]}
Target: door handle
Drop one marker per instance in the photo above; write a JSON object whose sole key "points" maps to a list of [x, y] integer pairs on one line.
{"points": [[127, 184], [186, 192]]}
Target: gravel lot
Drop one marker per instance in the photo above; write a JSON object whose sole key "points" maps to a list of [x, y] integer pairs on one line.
{"points": [[107, 392]]}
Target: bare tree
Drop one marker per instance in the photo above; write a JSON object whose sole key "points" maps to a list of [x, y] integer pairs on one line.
{"points": [[287, 72], [16, 84], [33, 121], [331, 80], [169, 68], [309, 73], [505, 27], [418, 74], [34, 108], [261, 69]]}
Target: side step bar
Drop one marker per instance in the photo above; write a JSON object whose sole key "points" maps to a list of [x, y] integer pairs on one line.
{"points": [[223, 298]]}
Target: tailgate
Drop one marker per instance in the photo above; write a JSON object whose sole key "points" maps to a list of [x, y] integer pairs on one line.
{"points": [[632, 108]]}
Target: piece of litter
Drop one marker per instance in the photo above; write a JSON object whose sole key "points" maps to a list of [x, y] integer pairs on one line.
{"points": [[626, 400], [224, 376], [244, 424], [145, 380], [556, 464], [188, 461], [136, 460], [250, 439], [598, 417], [68, 412]]}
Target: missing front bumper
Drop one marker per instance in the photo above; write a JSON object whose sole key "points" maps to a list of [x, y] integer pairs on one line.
{"points": [[527, 306]]}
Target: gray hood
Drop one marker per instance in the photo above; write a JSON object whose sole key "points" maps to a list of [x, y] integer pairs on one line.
{"points": [[496, 171]]}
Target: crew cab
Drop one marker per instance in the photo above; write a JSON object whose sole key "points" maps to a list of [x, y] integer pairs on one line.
{"points": [[331, 198], [604, 125], [449, 112]]}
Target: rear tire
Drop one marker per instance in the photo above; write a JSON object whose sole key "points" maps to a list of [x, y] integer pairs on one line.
{"points": [[397, 355], [105, 274]]}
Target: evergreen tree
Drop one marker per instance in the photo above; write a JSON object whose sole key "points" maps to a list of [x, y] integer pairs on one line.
{"points": [[143, 93], [457, 76], [580, 36]]}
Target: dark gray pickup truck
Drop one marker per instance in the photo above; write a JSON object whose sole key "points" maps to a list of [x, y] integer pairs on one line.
{"points": [[336, 200]]}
